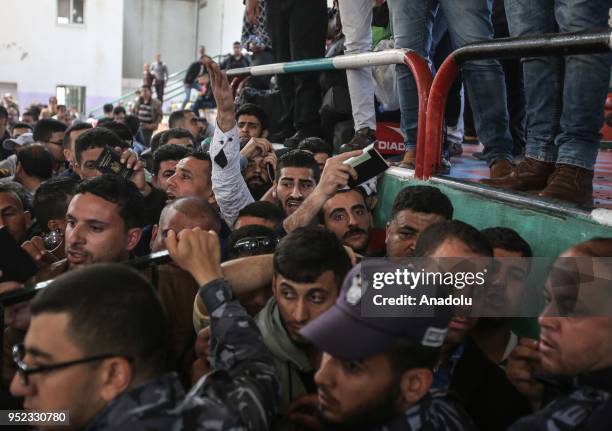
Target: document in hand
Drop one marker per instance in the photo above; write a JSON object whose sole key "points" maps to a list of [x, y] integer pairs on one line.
{"points": [[368, 165]]}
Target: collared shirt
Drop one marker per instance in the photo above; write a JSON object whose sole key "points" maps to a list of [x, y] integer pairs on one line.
{"points": [[159, 71], [229, 187]]}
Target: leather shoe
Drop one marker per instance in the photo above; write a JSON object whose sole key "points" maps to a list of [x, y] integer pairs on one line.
{"points": [[363, 138], [293, 141], [529, 174], [571, 184], [280, 136], [500, 168]]}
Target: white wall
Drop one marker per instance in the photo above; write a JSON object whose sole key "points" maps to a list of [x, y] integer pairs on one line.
{"points": [[220, 25], [38, 54], [158, 26]]}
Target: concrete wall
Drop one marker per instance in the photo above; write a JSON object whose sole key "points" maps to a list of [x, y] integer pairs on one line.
{"points": [[220, 25], [38, 54], [169, 27], [158, 26]]}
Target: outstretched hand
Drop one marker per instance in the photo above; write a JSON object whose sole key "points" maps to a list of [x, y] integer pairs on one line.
{"points": [[223, 96]]}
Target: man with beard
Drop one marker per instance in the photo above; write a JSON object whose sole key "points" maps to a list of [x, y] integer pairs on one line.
{"points": [[296, 174], [574, 351], [479, 378], [452, 239], [260, 161], [414, 209], [345, 212], [309, 266], [376, 373]]}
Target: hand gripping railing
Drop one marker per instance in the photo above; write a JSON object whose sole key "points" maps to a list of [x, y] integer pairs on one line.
{"points": [[411, 59], [588, 42]]}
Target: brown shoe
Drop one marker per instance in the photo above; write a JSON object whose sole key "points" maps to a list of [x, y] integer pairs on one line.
{"points": [[530, 174], [409, 160], [500, 168], [571, 184], [363, 138]]}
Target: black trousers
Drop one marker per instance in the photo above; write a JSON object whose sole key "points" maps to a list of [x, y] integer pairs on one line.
{"points": [[297, 29], [159, 89]]}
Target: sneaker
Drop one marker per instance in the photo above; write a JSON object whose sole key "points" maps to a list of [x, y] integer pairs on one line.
{"points": [[363, 138]]}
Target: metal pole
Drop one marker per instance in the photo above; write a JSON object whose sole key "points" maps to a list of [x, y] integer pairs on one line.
{"points": [[533, 46]]}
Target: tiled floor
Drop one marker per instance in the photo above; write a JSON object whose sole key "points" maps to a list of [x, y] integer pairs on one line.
{"points": [[469, 168]]}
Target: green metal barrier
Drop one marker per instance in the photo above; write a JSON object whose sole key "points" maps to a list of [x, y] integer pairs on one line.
{"points": [[549, 228]]}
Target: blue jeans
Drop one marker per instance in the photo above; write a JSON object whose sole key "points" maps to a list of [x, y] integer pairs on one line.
{"points": [[468, 21], [565, 96], [187, 88]]}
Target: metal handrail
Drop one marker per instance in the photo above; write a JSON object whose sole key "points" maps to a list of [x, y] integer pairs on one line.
{"points": [[176, 77], [585, 42], [418, 66]]}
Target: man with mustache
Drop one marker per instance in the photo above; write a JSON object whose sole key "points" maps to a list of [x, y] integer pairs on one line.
{"points": [[347, 215], [309, 266], [335, 177], [574, 351], [260, 160]]}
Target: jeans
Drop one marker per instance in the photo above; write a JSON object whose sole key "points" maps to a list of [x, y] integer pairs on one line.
{"points": [[357, 28], [565, 96], [468, 21], [188, 88]]}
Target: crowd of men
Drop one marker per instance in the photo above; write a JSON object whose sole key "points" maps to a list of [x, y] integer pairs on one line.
{"points": [[256, 322]]}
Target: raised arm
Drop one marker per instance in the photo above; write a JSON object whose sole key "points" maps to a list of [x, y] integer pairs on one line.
{"points": [[229, 187], [335, 176]]}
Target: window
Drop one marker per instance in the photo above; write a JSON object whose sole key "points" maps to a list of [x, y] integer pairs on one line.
{"points": [[71, 96], [70, 11]]}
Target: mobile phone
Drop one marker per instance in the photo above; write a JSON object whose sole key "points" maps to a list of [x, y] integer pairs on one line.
{"points": [[109, 162], [15, 263]]}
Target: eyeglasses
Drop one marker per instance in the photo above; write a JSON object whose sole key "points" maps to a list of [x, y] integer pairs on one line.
{"points": [[255, 244], [60, 143], [25, 371]]}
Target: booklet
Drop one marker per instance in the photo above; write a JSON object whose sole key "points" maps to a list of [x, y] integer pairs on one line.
{"points": [[368, 165]]}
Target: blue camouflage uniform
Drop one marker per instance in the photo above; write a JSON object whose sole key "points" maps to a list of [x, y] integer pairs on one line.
{"points": [[242, 393]]}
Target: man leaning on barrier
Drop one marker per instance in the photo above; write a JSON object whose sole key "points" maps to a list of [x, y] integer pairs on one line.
{"points": [[96, 348]]}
